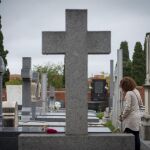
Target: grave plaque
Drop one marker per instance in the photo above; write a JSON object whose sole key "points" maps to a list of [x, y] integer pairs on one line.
{"points": [[99, 91]]}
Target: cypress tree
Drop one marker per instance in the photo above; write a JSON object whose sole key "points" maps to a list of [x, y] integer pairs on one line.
{"points": [[126, 60], [124, 47], [3, 53], [138, 64]]}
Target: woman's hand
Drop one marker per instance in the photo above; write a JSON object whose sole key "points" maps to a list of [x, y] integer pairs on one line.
{"points": [[121, 117]]}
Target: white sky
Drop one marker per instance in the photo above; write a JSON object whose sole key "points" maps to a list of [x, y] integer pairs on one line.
{"points": [[24, 20]]}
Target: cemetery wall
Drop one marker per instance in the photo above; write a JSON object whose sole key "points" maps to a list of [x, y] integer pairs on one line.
{"points": [[60, 95]]}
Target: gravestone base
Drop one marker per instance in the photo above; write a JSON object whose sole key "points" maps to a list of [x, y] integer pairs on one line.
{"points": [[145, 127], [79, 142], [97, 105], [145, 145]]}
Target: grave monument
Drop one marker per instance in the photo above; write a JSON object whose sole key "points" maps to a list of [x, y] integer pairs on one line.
{"points": [[34, 93], [145, 127], [44, 92], [76, 43], [117, 103], [111, 84], [26, 75], [99, 95]]}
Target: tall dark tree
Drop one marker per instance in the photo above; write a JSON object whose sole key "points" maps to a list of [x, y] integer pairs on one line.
{"points": [[138, 64], [126, 60], [124, 47], [3, 53]]}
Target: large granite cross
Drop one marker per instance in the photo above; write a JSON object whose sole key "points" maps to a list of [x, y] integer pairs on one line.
{"points": [[76, 43]]}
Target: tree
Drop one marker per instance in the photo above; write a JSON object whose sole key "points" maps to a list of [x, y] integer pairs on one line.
{"points": [[126, 60], [3, 53], [54, 73], [138, 64], [124, 47]]}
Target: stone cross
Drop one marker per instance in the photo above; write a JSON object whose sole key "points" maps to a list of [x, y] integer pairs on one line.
{"points": [[26, 88], [76, 43], [26, 78]]}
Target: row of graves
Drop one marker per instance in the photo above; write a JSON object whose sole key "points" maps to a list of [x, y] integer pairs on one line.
{"points": [[76, 126], [39, 111]]}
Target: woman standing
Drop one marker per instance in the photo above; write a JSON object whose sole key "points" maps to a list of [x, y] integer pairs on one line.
{"points": [[130, 117]]}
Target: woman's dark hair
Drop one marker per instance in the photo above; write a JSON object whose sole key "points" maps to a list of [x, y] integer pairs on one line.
{"points": [[127, 84]]}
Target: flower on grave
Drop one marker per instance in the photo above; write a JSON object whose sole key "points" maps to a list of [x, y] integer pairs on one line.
{"points": [[57, 105]]}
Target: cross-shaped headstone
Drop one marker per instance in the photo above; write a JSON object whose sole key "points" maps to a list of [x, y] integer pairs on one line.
{"points": [[76, 43], [26, 78]]}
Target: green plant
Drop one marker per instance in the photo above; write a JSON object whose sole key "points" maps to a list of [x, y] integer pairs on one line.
{"points": [[100, 115], [14, 82], [110, 126]]}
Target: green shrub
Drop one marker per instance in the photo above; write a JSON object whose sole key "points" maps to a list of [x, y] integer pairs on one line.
{"points": [[100, 115], [14, 82]]}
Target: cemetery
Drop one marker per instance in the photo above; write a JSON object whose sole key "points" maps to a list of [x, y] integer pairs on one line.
{"points": [[32, 118]]}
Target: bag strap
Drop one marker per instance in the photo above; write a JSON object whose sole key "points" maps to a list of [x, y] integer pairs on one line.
{"points": [[137, 98]]}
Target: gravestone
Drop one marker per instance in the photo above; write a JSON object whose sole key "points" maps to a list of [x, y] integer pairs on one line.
{"points": [[51, 92], [34, 92], [10, 114], [145, 127], [76, 43], [99, 95], [51, 98], [14, 93], [44, 92], [98, 92], [117, 103], [111, 84], [34, 86], [26, 87], [26, 84], [2, 70]]}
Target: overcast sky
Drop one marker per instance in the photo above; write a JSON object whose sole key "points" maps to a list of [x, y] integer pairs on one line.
{"points": [[24, 20]]}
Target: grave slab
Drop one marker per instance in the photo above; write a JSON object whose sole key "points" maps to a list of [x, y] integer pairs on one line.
{"points": [[61, 119], [90, 142]]}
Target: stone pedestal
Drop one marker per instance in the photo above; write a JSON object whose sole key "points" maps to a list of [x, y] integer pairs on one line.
{"points": [[82, 142], [145, 127], [145, 124]]}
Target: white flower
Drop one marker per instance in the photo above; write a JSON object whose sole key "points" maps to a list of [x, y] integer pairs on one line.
{"points": [[57, 105]]}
